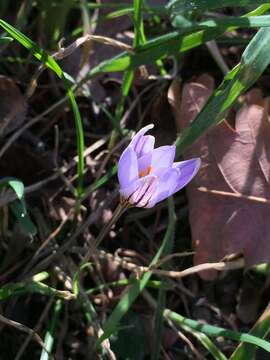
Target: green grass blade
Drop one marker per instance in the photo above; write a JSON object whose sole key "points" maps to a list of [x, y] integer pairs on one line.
{"points": [[178, 320], [139, 36], [254, 61], [227, 23], [261, 329], [137, 287], [206, 342], [40, 54], [50, 334], [176, 42], [32, 287], [178, 6], [48, 60], [215, 331], [15, 184]]}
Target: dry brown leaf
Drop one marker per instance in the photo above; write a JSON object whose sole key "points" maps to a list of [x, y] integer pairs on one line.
{"points": [[13, 106], [232, 161]]}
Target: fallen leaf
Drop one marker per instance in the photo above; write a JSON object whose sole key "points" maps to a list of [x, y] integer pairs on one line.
{"points": [[235, 161]]}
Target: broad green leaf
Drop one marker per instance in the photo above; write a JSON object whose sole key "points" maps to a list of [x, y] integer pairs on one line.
{"points": [[19, 210], [18, 207], [15, 184], [253, 62]]}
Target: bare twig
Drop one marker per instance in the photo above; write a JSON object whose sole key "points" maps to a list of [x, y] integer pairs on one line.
{"points": [[218, 266], [235, 195], [24, 329], [37, 328]]}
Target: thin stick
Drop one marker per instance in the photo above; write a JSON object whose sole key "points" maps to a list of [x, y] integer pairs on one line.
{"points": [[235, 195], [218, 266], [24, 329]]}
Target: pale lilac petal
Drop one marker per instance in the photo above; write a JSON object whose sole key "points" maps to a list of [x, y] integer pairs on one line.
{"points": [[147, 189], [188, 169], [127, 191], [162, 158], [144, 164], [144, 145], [140, 133], [166, 186], [127, 167], [141, 191]]}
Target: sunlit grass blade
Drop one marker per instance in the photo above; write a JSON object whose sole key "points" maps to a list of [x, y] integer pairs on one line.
{"points": [[253, 62], [48, 60], [172, 43], [137, 287]]}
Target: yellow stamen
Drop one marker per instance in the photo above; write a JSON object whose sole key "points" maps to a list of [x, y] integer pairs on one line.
{"points": [[148, 171]]}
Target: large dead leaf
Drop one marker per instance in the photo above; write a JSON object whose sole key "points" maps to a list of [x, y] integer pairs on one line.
{"points": [[235, 161]]}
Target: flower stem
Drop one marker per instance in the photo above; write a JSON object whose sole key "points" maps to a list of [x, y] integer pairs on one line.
{"points": [[121, 208], [116, 215]]}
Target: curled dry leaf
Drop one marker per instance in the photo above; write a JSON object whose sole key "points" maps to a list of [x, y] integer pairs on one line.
{"points": [[233, 160], [13, 106]]}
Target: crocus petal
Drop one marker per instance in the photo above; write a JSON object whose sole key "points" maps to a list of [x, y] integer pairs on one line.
{"points": [[144, 164], [127, 191], [144, 145], [127, 167], [188, 169], [141, 191], [166, 186], [162, 157], [136, 139]]}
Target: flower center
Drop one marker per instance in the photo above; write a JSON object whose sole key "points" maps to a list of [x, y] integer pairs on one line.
{"points": [[145, 172]]}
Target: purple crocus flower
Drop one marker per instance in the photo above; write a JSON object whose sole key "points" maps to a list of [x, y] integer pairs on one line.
{"points": [[147, 175]]}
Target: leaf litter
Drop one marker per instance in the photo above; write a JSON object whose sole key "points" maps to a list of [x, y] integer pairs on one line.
{"points": [[235, 159]]}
